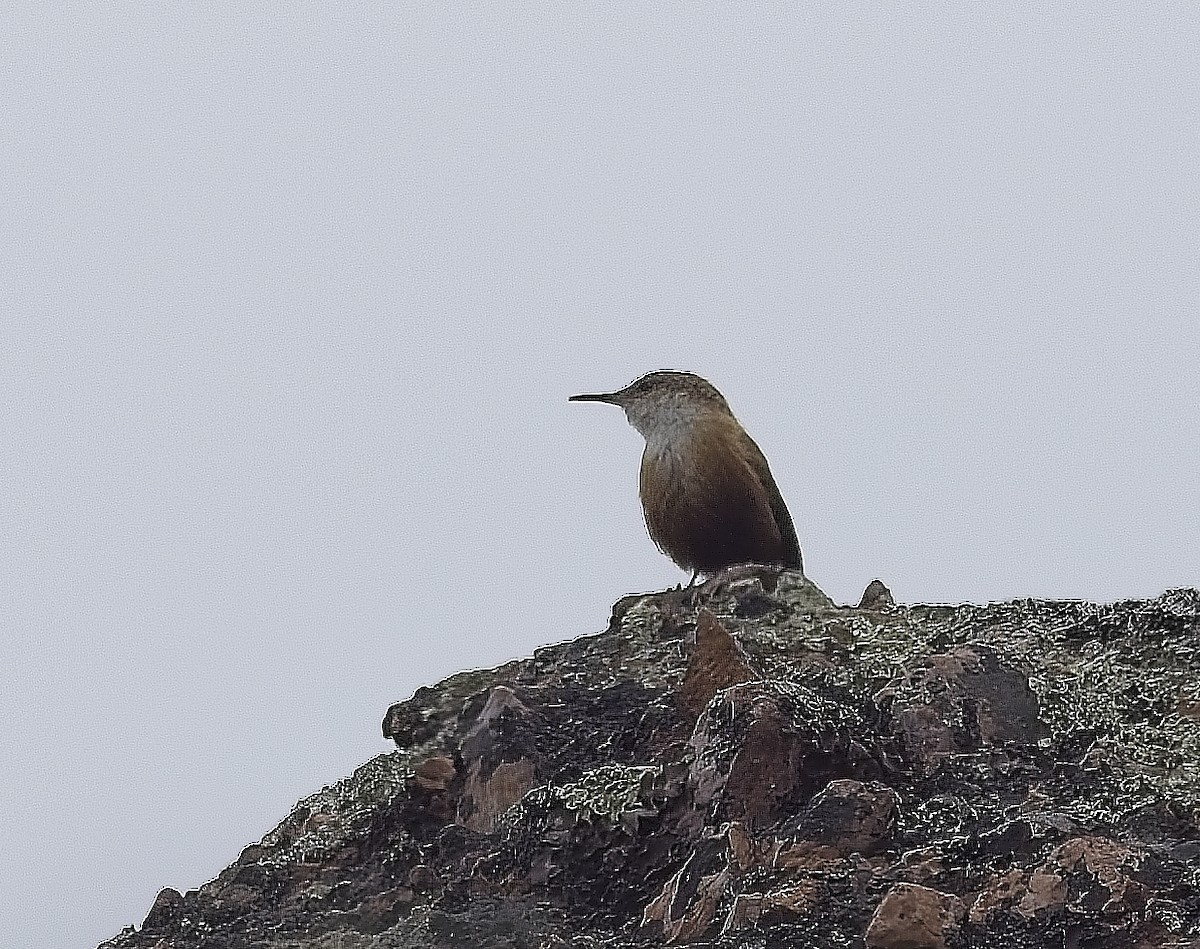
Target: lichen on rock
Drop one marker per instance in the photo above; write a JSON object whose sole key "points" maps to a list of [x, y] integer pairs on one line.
{"points": [[746, 764]]}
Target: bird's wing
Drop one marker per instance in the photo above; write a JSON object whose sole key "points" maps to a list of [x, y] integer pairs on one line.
{"points": [[783, 520]]}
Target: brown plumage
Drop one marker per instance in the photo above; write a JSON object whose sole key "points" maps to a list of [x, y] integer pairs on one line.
{"points": [[707, 492]]}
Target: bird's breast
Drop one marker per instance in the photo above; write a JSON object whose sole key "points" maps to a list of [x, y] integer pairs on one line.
{"points": [[703, 502]]}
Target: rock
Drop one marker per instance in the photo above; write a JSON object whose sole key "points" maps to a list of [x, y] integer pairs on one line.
{"points": [[876, 597], [1092, 880], [854, 816], [915, 917], [499, 771], [486, 798], [688, 902], [802, 776], [760, 749], [168, 906], [716, 663], [960, 701], [435, 773]]}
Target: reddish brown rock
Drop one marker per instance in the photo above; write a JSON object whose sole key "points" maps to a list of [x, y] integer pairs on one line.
{"points": [[914, 917], [1006, 891], [764, 769], [492, 795], [685, 908], [759, 910], [494, 784], [716, 663], [854, 816], [1100, 870], [760, 751], [1085, 875], [435, 773], [921, 865], [961, 701]]}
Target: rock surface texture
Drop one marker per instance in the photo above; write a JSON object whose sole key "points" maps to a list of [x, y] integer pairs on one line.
{"points": [[748, 765]]}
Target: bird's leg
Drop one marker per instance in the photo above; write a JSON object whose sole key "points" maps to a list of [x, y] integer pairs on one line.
{"points": [[719, 582]]}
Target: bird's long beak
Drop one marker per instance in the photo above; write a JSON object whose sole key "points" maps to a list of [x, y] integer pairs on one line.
{"points": [[610, 397]]}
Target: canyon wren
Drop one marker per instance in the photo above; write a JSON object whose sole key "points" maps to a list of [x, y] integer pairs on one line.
{"points": [[707, 493]]}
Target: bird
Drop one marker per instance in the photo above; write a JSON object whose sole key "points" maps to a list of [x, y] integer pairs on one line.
{"points": [[708, 496]]}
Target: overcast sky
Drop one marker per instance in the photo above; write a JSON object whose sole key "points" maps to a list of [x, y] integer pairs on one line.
{"points": [[293, 298]]}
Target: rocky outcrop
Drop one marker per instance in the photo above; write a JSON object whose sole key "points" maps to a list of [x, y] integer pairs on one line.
{"points": [[749, 765]]}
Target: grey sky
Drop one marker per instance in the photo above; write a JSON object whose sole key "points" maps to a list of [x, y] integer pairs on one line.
{"points": [[293, 297]]}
